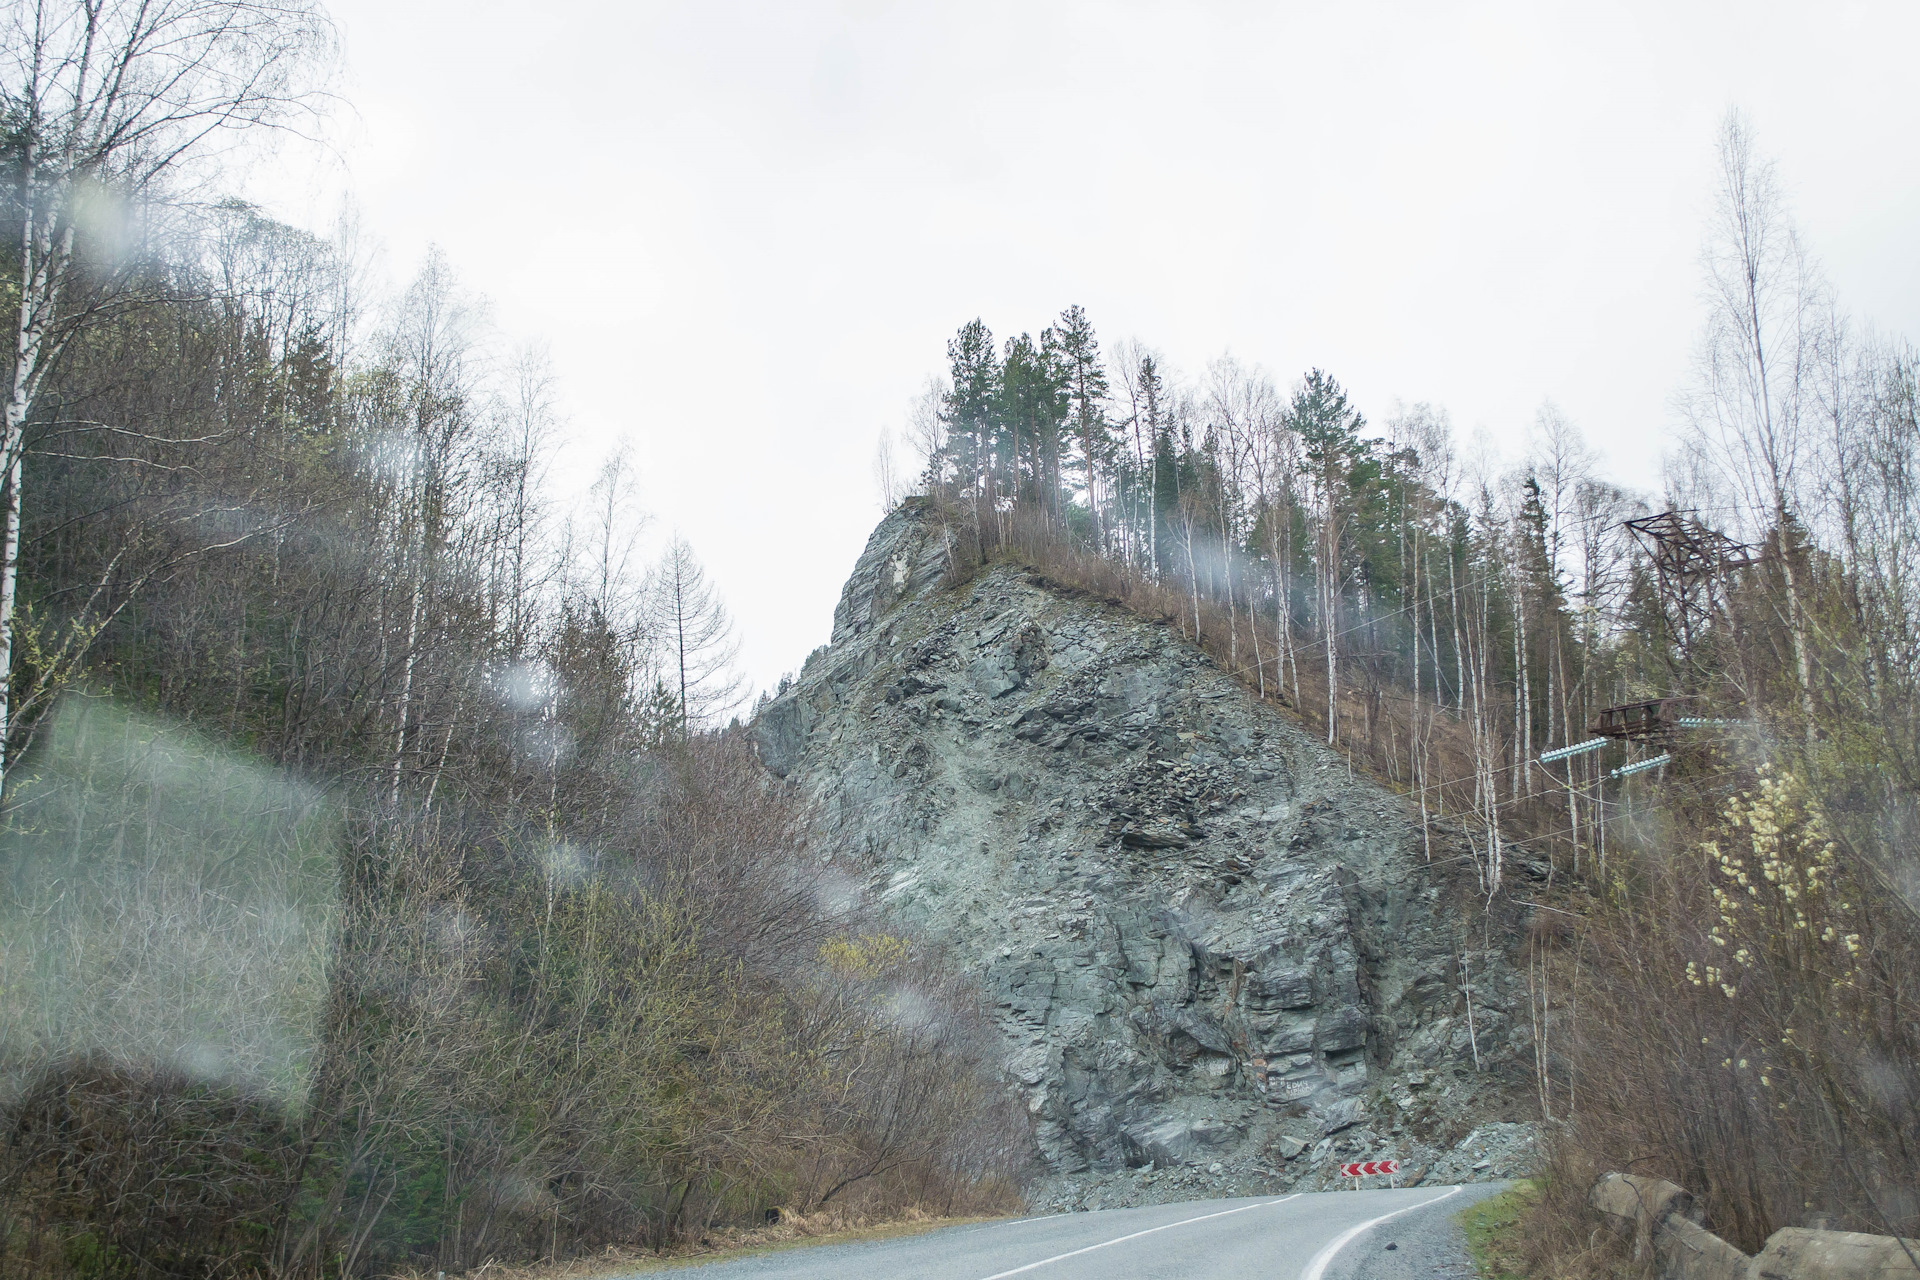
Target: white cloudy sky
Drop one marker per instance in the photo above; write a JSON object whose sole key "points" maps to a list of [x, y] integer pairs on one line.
{"points": [[746, 230]]}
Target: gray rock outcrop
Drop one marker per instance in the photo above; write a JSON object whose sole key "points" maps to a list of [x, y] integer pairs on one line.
{"points": [[1217, 955]]}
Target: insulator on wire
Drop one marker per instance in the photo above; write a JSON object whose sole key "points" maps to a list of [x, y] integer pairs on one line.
{"points": [[1579, 749], [1642, 766]]}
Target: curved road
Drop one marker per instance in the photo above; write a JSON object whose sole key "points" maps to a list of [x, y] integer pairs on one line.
{"points": [[1332, 1235]]}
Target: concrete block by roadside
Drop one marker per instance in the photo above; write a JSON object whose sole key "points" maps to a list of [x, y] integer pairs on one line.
{"points": [[1802, 1253], [1638, 1199], [1663, 1217], [1688, 1251]]}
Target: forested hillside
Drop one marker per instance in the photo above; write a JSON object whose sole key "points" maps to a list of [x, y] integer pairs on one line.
{"points": [[381, 884], [1724, 994]]}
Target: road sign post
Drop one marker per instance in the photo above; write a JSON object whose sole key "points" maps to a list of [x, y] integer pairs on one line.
{"points": [[1371, 1168]]}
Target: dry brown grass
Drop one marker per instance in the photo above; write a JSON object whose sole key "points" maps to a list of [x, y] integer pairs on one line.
{"points": [[792, 1231], [1557, 1235], [1413, 745]]}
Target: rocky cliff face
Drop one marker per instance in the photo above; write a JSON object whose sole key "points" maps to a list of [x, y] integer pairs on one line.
{"points": [[1220, 960]]}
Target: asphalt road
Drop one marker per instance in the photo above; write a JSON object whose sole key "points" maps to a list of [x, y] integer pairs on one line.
{"points": [[1334, 1235]]}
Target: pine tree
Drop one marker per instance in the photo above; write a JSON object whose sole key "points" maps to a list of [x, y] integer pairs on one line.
{"points": [[969, 409], [1028, 414], [1085, 380], [1330, 451], [1166, 464]]}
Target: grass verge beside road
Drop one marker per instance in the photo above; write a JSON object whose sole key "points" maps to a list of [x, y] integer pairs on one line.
{"points": [[720, 1245], [1496, 1231]]}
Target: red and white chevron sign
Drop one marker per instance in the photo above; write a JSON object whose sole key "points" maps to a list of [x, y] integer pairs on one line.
{"points": [[1369, 1168]]}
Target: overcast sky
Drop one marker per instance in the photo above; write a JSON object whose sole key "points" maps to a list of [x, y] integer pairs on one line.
{"points": [[747, 230]]}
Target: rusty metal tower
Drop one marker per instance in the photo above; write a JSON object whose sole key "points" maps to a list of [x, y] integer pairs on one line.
{"points": [[1691, 562]]}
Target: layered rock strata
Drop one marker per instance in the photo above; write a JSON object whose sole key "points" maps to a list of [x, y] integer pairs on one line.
{"points": [[1219, 958]]}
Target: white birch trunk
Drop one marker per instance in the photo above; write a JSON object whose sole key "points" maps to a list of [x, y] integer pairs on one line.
{"points": [[1253, 632], [43, 267], [1233, 620], [1328, 624], [406, 688], [1193, 580]]}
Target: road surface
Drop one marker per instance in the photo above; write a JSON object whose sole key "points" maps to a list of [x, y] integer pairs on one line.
{"points": [[1332, 1235]]}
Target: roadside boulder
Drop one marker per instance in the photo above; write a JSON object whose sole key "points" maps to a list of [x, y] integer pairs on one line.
{"points": [[1634, 1200], [1688, 1251], [1802, 1253]]}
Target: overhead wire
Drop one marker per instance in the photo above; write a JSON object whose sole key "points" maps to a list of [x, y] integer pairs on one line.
{"points": [[1477, 580]]}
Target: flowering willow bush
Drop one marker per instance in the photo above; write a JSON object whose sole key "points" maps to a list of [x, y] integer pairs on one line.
{"points": [[1779, 898], [1749, 1027]]}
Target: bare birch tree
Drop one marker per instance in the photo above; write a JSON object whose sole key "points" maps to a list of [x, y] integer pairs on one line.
{"points": [[525, 444], [107, 98], [612, 538], [889, 481], [1752, 408], [926, 432], [426, 423]]}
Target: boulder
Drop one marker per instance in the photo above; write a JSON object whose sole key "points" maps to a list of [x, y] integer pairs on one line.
{"points": [[1664, 1216], [1174, 1141], [1344, 1114], [1636, 1200], [1802, 1253], [1688, 1251]]}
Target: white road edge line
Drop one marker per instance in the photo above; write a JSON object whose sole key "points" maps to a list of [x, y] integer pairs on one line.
{"points": [[1061, 1257], [1318, 1267], [995, 1226]]}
